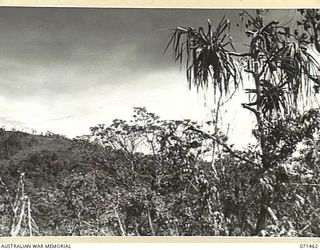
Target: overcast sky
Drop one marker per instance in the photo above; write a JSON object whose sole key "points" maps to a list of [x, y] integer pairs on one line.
{"points": [[67, 69]]}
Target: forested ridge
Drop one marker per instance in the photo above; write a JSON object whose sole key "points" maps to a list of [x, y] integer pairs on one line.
{"points": [[150, 176]]}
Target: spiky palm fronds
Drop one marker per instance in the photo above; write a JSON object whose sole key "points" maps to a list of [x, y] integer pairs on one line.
{"points": [[311, 26], [287, 68], [282, 64], [207, 56]]}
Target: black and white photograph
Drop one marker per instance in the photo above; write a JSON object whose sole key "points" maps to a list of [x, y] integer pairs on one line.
{"points": [[159, 122]]}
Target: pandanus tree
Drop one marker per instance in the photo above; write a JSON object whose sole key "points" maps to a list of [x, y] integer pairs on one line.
{"points": [[279, 61]]}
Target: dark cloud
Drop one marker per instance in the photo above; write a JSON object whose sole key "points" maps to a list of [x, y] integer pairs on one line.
{"points": [[49, 50], [65, 69]]}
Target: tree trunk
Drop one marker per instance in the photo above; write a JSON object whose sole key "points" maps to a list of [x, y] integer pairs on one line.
{"points": [[262, 215], [261, 221]]}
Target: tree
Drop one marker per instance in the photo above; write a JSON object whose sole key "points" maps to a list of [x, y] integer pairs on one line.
{"points": [[19, 207], [168, 190], [279, 61]]}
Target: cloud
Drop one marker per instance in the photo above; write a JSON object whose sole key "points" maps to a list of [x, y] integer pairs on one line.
{"points": [[6, 121], [66, 69], [164, 93]]}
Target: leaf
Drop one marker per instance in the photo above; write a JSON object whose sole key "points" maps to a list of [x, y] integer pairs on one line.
{"points": [[206, 56]]}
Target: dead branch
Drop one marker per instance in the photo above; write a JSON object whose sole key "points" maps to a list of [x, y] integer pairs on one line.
{"points": [[150, 222], [224, 145], [119, 221]]}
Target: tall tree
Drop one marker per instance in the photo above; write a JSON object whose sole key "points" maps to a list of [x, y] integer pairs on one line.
{"points": [[279, 61]]}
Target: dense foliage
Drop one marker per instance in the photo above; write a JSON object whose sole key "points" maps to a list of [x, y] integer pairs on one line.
{"points": [[150, 176], [282, 78]]}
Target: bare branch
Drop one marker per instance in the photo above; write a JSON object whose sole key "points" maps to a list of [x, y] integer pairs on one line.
{"points": [[247, 106], [238, 54], [29, 217], [306, 184], [224, 145], [150, 222], [119, 221]]}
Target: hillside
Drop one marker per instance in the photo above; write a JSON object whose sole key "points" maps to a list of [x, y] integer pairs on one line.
{"points": [[81, 188], [102, 184], [45, 160], [71, 184]]}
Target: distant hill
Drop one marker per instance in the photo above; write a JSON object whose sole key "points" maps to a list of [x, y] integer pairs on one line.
{"points": [[41, 158], [55, 169], [98, 185]]}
